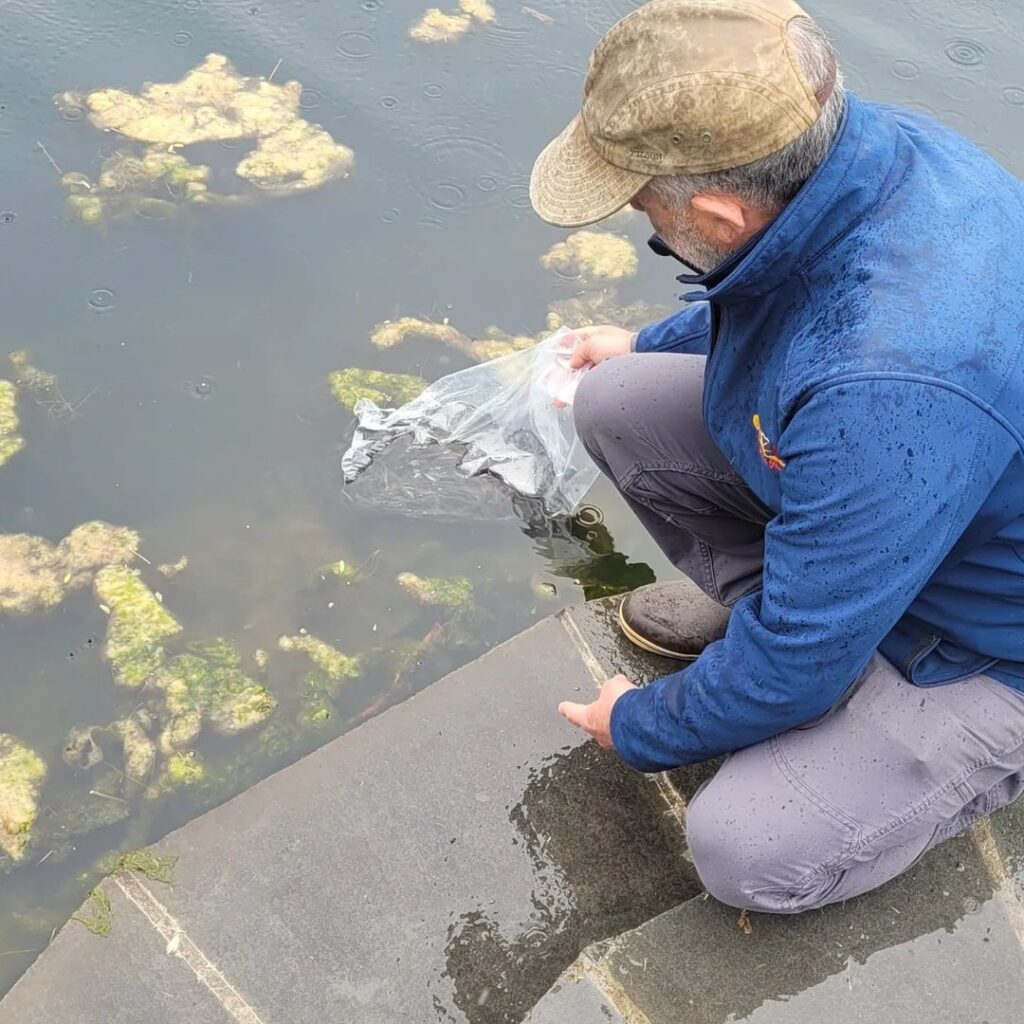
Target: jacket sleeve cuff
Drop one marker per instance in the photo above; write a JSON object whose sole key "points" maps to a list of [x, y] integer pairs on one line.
{"points": [[631, 714]]}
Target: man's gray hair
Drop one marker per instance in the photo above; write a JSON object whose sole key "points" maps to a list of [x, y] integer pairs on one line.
{"points": [[772, 181]]}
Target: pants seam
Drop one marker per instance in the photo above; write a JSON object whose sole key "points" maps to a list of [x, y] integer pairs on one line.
{"points": [[691, 469], [837, 865], [823, 805], [958, 780]]}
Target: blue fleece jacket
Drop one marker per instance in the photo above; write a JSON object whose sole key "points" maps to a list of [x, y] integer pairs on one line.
{"points": [[865, 377]]}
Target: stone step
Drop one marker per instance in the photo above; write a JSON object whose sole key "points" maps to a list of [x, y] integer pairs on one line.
{"points": [[941, 944], [443, 862]]}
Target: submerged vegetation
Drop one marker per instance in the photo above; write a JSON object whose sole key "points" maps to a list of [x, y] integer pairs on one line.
{"points": [[21, 775], [384, 389], [493, 344], [454, 592], [10, 441], [137, 628], [207, 685], [328, 659]]}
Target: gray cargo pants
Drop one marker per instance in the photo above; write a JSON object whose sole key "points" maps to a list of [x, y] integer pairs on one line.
{"points": [[836, 808]]}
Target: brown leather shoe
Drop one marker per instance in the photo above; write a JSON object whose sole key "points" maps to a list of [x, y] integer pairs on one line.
{"points": [[676, 620]]}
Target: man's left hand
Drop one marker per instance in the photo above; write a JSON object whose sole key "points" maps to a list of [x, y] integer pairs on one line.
{"points": [[596, 718]]}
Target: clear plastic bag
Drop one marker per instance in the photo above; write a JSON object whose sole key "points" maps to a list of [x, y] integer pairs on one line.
{"points": [[510, 417]]}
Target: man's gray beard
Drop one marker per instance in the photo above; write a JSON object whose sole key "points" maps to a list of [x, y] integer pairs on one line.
{"points": [[692, 248]]}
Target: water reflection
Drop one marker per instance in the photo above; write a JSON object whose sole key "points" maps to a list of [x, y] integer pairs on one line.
{"points": [[603, 863]]}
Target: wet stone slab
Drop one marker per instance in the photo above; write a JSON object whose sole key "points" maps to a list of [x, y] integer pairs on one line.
{"points": [[942, 944], [444, 862], [596, 623]]}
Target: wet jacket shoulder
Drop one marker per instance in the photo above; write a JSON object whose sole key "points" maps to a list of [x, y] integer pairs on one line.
{"points": [[865, 377]]}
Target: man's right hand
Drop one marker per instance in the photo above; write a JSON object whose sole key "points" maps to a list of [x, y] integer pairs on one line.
{"points": [[596, 344]]}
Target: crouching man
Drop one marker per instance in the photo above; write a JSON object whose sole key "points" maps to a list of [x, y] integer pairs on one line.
{"points": [[827, 440]]}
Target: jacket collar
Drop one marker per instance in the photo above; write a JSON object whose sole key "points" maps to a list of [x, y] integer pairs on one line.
{"points": [[846, 185]]}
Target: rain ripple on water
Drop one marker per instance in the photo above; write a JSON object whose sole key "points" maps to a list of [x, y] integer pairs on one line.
{"points": [[966, 52], [101, 300], [355, 45], [905, 69], [471, 164]]}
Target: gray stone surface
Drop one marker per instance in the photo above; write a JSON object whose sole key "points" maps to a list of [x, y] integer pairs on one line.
{"points": [[1006, 828], [443, 862], [942, 944], [84, 978], [575, 999], [597, 624]]}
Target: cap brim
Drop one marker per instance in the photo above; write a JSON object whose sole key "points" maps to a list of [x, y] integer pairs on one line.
{"points": [[572, 185]]}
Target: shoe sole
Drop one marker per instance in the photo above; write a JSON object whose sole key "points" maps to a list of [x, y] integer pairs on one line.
{"points": [[637, 640]]}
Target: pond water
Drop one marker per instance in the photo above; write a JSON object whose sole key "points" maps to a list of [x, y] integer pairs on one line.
{"points": [[192, 353]]}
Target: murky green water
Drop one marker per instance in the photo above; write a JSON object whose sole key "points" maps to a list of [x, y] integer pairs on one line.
{"points": [[192, 356]]}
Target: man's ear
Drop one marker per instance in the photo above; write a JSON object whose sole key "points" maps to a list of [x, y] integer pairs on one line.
{"points": [[724, 219]]}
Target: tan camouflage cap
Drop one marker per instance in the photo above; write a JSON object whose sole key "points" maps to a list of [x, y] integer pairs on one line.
{"points": [[676, 87]]}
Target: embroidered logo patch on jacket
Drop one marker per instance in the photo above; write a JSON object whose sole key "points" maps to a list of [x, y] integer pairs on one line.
{"points": [[769, 453]]}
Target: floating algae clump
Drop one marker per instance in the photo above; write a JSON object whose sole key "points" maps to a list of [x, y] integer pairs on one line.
{"points": [[453, 592], [21, 775], [298, 157], [593, 254], [137, 627], [30, 377], [95, 544], [10, 441], [171, 569], [383, 389], [212, 103], [35, 574], [436, 26], [328, 659], [207, 685], [496, 342]]}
